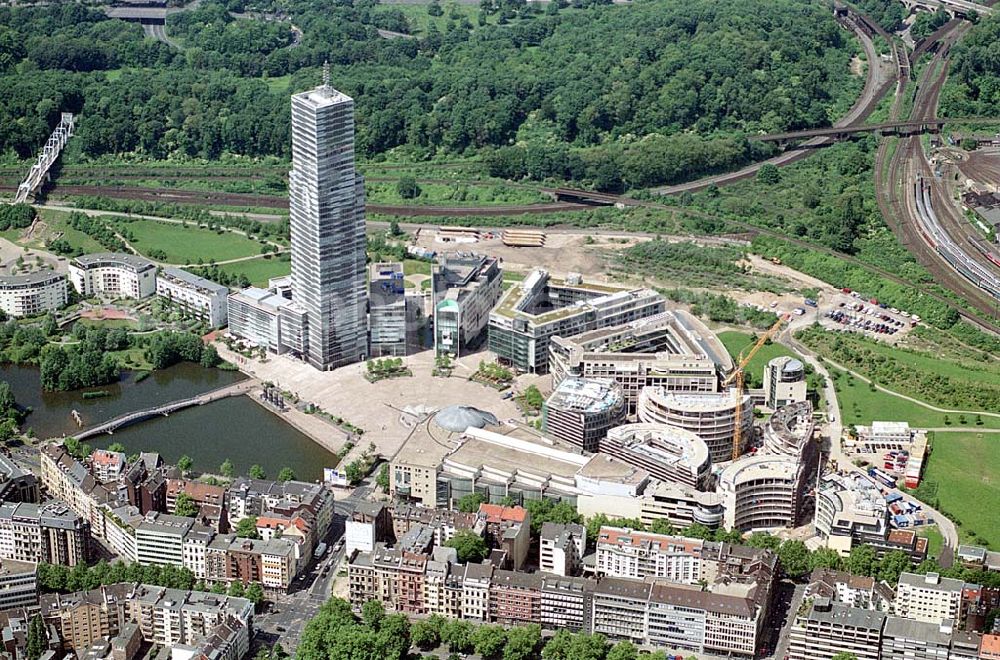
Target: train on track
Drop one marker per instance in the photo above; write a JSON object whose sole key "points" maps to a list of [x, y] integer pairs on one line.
{"points": [[937, 238]]}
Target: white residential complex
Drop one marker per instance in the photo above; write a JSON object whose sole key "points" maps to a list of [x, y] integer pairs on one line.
{"points": [[267, 320], [625, 553], [32, 294], [326, 201], [194, 295], [113, 275]]}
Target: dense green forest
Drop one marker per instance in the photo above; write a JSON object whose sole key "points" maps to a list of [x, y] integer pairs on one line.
{"points": [[974, 86], [666, 99]]}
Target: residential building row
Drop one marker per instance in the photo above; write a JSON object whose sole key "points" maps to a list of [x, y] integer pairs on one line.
{"points": [[132, 520], [188, 623], [728, 616]]}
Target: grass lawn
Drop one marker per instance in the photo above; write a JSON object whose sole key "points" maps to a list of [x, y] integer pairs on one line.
{"points": [[966, 469], [935, 541], [188, 244], [416, 267], [128, 324], [860, 405], [278, 84], [736, 341], [58, 223], [419, 20], [259, 270]]}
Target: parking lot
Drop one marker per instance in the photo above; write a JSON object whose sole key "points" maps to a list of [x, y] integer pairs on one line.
{"points": [[852, 313]]}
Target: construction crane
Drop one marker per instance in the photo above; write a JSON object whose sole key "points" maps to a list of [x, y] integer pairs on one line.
{"points": [[737, 376]]}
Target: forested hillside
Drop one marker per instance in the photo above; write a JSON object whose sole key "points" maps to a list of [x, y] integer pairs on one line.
{"points": [[974, 86], [635, 95]]}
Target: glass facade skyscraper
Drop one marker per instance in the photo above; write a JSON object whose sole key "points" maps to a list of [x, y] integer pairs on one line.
{"points": [[327, 216]]}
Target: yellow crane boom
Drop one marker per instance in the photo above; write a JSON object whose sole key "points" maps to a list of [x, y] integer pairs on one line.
{"points": [[737, 376]]}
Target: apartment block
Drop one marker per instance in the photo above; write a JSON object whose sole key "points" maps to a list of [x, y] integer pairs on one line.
{"points": [[843, 588], [194, 295], [515, 598], [51, 533], [32, 294], [113, 275], [622, 552], [273, 562], [909, 639], [507, 528]]}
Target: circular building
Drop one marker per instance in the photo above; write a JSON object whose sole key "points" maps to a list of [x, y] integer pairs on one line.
{"points": [[709, 415], [762, 492], [581, 410], [784, 382], [668, 453], [789, 431]]}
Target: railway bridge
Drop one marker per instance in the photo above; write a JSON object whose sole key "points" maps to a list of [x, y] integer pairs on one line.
{"points": [[895, 128], [39, 172]]}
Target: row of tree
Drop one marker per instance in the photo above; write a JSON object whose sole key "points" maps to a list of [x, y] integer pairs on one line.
{"points": [[337, 633]]}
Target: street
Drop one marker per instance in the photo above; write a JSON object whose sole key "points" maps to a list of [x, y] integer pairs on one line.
{"points": [[287, 616]]}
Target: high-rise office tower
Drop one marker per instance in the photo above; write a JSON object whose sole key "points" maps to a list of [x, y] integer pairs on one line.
{"points": [[327, 215]]}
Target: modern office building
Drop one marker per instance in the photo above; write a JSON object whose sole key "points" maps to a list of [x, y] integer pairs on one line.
{"points": [[674, 350], [709, 415], [193, 295], [18, 584], [326, 202], [268, 320], [929, 598], [908, 639], [851, 509], [763, 492], [680, 505], [32, 294], [784, 382], [667, 453], [113, 275], [561, 548], [465, 287], [827, 628], [789, 432], [581, 411], [159, 539], [541, 307], [386, 310]]}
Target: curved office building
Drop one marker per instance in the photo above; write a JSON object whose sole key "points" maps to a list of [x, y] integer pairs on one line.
{"points": [[709, 415], [762, 492], [789, 431], [582, 410], [668, 453]]}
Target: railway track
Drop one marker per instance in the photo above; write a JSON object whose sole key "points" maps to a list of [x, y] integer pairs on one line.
{"points": [[906, 213], [199, 197]]}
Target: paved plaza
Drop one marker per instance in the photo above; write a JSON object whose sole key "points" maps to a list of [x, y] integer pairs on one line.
{"points": [[377, 407]]}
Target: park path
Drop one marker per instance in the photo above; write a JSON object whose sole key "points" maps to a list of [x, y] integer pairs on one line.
{"points": [[910, 398], [844, 461]]}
